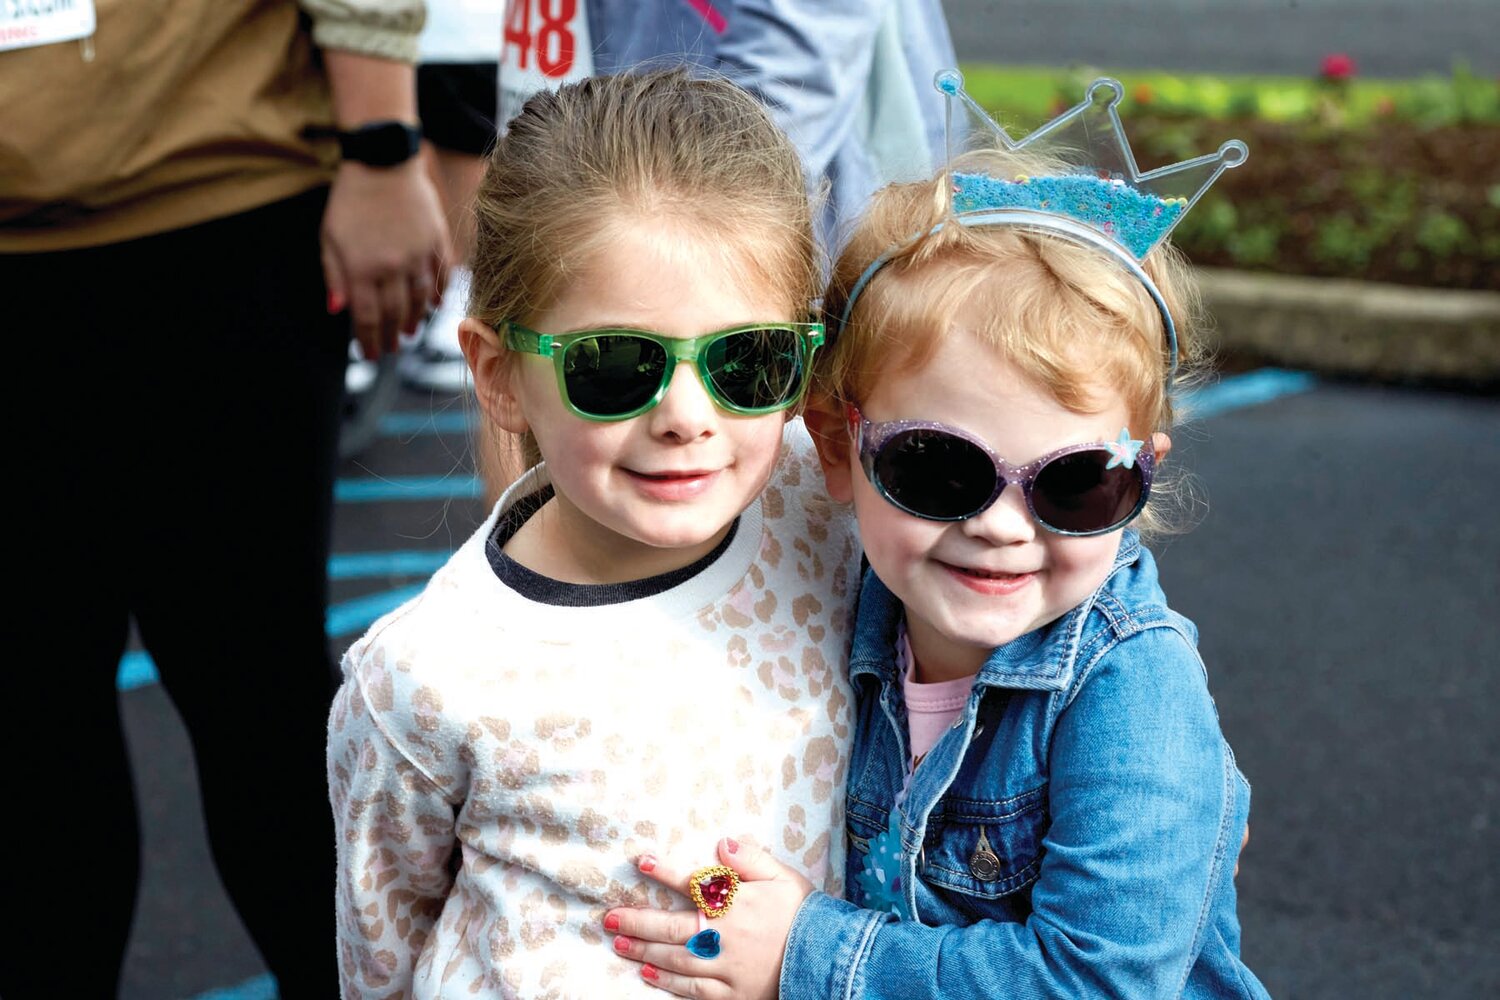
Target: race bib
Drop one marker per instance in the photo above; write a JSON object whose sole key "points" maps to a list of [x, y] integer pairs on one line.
{"points": [[461, 31], [24, 23], [544, 44]]}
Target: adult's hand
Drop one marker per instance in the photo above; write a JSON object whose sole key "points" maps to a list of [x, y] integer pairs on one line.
{"points": [[385, 250], [385, 239]]}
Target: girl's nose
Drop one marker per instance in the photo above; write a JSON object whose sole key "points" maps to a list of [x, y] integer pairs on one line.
{"points": [[1007, 521], [687, 411]]}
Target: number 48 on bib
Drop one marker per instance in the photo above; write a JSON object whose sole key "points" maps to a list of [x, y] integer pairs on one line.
{"points": [[544, 33], [544, 44]]}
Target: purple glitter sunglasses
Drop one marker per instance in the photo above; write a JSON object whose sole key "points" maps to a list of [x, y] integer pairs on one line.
{"points": [[941, 473]]}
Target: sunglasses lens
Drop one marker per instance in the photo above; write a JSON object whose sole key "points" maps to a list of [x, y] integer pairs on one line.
{"points": [[613, 374], [935, 474], [1078, 493], [756, 369]]}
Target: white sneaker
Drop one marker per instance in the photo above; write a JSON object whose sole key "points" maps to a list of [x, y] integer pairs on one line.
{"points": [[360, 374], [435, 361]]}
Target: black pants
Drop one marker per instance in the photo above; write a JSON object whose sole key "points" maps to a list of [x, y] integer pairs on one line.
{"points": [[456, 103], [173, 403]]}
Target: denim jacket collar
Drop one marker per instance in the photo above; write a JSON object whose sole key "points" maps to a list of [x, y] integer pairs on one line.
{"points": [[1040, 660]]}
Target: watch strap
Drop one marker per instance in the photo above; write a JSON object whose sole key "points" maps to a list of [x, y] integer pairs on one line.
{"points": [[377, 143]]}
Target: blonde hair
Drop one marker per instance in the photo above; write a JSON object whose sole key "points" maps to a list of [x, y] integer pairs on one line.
{"points": [[1069, 317], [580, 164]]}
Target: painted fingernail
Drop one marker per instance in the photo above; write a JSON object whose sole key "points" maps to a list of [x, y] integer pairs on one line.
{"points": [[622, 944], [649, 972], [731, 845], [335, 303], [647, 863], [611, 921]]}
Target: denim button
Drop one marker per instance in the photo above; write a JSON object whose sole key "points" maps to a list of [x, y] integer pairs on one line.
{"points": [[983, 864]]}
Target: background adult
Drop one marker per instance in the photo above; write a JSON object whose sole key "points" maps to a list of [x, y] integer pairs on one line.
{"points": [[456, 87], [850, 81], [183, 256]]}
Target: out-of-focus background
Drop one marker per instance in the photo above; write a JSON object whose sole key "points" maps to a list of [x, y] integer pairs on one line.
{"points": [[1345, 575]]}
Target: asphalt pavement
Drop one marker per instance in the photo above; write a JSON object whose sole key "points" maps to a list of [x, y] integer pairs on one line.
{"points": [[1386, 38], [1346, 582], [1344, 576]]}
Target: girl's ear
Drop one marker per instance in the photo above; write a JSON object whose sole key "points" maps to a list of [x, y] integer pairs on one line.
{"points": [[1162, 445], [825, 420], [493, 369]]}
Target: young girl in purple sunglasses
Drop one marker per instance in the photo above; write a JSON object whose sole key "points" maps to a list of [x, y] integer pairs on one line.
{"points": [[1040, 800]]}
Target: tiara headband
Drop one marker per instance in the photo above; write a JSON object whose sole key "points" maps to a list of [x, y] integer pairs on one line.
{"points": [[1096, 197]]}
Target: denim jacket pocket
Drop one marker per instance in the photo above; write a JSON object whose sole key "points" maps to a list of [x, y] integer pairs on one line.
{"points": [[864, 820], [984, 848]]}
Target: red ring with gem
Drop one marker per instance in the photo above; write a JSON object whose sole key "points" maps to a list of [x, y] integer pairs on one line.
{"points": [[713, 889]]}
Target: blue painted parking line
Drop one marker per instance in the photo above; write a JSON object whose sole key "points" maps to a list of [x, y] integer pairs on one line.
{"points": [[261, 987], [358, 614], [363, 565], [452, 487], [137, 669], [413, 423], [1231, 393], [1247, 389]]}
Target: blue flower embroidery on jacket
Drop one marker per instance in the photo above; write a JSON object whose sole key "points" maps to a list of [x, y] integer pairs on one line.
{"points": [[880, 880]]}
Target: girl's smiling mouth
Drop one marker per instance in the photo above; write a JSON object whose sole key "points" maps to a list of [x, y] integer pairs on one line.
{"points": [[986, 581], [673, 485]]}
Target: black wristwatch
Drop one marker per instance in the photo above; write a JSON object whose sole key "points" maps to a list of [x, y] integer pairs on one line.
{"points": [[379, 144]]}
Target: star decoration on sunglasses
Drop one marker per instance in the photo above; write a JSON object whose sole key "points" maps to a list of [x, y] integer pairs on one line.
{"points": [[1124, 450]]}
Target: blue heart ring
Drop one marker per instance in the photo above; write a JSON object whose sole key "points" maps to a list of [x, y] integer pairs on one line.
{"points": [[704, 944]]}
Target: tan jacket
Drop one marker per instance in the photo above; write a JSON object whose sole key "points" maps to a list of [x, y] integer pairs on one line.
{"points": [[189, 110]]}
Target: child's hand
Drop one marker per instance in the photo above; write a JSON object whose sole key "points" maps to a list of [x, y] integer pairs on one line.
{"points": [[752, 933]]}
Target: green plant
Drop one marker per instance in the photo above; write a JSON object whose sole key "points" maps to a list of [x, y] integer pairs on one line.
{"points": [[1443, 234], [1343, 242], [1027, 97], [1255, 245], [1399, 184], [1213, 219]]}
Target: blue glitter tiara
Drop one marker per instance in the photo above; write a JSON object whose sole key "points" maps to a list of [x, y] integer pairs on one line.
{"points": [[1088, 188]]}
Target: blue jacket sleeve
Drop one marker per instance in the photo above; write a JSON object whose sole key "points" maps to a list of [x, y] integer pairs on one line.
{"points": [[1144, 829]]}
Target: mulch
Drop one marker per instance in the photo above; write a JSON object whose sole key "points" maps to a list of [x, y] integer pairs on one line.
{"points": [[1394, 202]]}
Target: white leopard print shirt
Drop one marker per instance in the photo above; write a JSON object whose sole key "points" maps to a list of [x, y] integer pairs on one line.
{"points": [[496, 764]]}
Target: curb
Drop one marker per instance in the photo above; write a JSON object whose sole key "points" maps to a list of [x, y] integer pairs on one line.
{"points": [[1375, 330]]}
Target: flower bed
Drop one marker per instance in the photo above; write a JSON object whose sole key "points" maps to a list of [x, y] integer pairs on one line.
{"points": [[1393, 181]]}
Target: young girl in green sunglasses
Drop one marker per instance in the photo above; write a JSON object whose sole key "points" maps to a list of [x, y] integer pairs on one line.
{"points": [[644, 643]]}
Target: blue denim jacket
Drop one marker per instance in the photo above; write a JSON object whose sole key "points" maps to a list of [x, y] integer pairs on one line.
{"points": [[1073, 834]]}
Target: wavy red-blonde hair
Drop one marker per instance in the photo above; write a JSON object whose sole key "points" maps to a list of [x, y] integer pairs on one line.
{"points": [[1069, 317]]}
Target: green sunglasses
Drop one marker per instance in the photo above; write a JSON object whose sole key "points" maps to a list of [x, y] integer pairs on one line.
{"points": [[618, 374]]}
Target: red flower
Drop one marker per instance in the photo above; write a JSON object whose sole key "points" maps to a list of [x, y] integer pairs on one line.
{"points": [[1338, 66]]}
